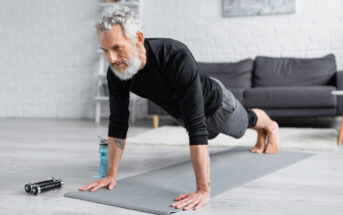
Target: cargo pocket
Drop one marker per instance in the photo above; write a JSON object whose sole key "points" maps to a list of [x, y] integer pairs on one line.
{"points": [[228, 105]]}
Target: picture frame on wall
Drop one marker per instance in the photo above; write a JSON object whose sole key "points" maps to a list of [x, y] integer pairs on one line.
{"points": [[232, 8]]}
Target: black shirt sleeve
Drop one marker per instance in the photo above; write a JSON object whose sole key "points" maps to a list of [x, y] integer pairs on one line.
{"points": [[119, 106], [182, 74]]}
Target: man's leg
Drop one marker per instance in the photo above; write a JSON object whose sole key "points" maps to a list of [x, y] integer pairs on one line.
{"points": [[267, 129], [231, 119]]}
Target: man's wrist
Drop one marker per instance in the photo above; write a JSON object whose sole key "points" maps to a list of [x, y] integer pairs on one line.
{"points": [[204, 188], [111, 173]]}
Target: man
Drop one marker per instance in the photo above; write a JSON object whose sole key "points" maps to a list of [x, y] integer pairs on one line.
{"points": [[164, 71]]}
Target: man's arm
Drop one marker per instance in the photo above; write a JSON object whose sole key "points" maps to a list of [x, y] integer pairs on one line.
{"points": [[115, 150], [201, 165], [182, 74], [117, 130], [183, 77]]}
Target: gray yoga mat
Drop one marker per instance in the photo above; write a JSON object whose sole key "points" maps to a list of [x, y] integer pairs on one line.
{"points": [[154, 191]]}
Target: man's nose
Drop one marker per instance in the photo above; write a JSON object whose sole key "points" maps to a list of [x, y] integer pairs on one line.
{"points": [[112, 57]]}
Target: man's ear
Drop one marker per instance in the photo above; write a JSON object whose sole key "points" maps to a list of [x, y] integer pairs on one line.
{"points": [[140, 37]]}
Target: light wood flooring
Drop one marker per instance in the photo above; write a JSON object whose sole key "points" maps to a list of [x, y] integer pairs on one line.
{"points": [[35, 149]]}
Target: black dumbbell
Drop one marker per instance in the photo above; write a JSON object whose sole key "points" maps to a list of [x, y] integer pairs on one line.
{"points": [[28, 187], [37, 189]]}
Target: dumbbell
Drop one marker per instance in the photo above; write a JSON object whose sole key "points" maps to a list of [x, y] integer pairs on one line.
{"points": [[28, 187], [39, 188]]}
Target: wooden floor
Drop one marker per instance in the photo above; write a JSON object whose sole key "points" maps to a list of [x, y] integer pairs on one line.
{"points": [[33, 150]]}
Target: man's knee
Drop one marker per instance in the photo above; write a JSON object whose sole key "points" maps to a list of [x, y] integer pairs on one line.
{"points": [[238, 134], [237, 130]]}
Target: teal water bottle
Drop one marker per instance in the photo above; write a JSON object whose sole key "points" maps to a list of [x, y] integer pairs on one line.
{"points": [[103, 151]]}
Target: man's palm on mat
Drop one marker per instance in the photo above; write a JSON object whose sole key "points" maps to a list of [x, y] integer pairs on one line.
{"points": [[188, 201], [192, 200], [108, 182]]}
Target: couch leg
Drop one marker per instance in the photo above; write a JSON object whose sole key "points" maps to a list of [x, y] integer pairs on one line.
{"points": [[155, 120], [340, 134]]}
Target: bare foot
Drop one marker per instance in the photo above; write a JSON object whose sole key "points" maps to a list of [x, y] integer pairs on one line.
{"points": [[261, 142], [272, 147], [266, 129]]}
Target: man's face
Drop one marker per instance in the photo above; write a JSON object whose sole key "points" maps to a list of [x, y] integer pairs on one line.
{"points": [[120, 52]]}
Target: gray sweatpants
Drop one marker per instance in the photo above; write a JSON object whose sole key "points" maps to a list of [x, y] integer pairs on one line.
{"points": [[231, 118]]}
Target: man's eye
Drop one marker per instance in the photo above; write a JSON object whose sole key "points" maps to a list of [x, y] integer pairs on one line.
{"points": [[117, 47]]}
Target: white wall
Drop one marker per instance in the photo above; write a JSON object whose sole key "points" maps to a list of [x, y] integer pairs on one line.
{"points": [[47, 48], [316, 29], [47, 58]]}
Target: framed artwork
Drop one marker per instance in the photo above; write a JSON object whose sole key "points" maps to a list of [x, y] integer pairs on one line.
{"points": [[257, 7]]}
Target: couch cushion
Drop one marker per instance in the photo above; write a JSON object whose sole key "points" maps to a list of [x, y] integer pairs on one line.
{"points": [[290, 97], [232, 75], [294, 71]]}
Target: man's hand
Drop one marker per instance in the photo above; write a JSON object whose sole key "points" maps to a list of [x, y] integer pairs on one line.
{"points": [[201, 165], [107, 181], [192, 200]]}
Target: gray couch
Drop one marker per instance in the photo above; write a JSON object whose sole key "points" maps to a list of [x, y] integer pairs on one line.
{"points": [[283, 87]]}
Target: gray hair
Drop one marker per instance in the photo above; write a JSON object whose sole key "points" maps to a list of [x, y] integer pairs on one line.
{"points": [[122, 15]]}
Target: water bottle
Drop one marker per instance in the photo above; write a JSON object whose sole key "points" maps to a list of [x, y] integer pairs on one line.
{"points": [[103, 151]]}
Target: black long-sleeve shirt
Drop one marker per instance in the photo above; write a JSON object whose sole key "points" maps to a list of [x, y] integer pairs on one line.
{"points": [[172, 80]]}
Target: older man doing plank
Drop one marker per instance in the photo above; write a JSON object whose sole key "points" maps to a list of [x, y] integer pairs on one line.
{"points": [[165, 71]]}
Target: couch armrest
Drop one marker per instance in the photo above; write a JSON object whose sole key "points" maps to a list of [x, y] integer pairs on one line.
{"points": [[339, 80], [339, 86]]}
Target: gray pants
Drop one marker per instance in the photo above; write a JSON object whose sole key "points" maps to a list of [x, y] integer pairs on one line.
{"points": [[231, 118]]}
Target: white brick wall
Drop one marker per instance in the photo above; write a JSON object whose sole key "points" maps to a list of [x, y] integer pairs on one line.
{"points": [[47, 58], [48, 63], [316, 29]]}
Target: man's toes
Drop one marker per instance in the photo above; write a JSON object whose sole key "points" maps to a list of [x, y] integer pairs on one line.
{"points": [[269, 149], [276, 148], [253, 150], [266, 150], [273, 149], [256, 150]]}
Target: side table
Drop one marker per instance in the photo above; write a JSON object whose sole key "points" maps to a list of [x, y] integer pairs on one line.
{"points": [[340, 134]]}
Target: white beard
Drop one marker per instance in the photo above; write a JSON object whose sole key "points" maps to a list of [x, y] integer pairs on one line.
{"points": [[132, 68]]}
